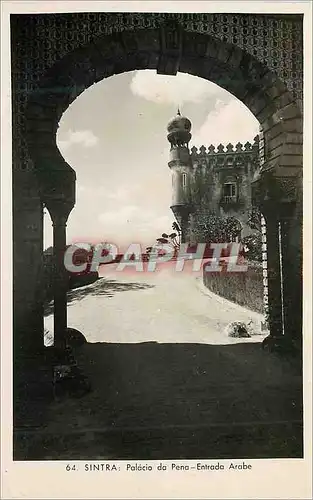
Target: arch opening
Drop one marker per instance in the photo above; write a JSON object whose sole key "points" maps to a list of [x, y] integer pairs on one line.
{"points": [[228, 66]]}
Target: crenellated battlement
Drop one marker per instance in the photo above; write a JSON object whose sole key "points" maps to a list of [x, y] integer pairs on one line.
{"points": [[221, 149]]}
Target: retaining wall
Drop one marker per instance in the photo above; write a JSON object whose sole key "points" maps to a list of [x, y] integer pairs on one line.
{"points": [[243, 288]]}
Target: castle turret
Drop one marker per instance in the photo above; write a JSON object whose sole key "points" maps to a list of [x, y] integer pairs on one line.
{"points": [[181, 166]]}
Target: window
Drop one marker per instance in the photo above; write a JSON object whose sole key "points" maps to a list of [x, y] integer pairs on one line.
{"points": [[229, 192], [230, 160], [184, 180]]}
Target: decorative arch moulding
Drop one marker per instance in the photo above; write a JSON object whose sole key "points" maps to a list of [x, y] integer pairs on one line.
{"points": [[272, 40], [58, 56]]}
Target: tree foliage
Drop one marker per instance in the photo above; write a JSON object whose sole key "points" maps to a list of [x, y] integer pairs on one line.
{"points": [[253, 241], [164, 242], [211, 228]]}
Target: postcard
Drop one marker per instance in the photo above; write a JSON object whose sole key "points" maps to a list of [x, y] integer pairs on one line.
{"points": [[156, 249]]}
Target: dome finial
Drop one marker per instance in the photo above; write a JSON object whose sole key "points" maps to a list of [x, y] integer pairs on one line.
{"points": [[179, 129]]}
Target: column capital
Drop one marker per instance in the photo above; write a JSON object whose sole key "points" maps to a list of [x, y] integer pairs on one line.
{"points": [[57, 186], [57, 190], [59, 211]]}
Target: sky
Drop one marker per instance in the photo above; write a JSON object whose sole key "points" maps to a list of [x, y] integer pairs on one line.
{"points": [[114, 136]]}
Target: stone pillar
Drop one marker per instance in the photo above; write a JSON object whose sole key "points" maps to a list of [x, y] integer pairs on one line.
{"points": [[275, 314], [60, 281], [58, 194], [292, 274], [27, 269]]}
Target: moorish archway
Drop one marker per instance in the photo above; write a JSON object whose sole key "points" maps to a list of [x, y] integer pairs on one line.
{"points": [[256, 58]]}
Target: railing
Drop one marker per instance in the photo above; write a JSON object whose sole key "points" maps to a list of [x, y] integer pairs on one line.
{"points": [[229, 199]]}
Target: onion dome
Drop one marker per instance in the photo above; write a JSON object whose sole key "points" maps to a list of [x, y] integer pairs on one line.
{"points": [[179, 130]]}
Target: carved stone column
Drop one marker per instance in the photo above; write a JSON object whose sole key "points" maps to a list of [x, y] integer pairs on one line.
{"points": [[280, 200], [266, 195], [60, 280], [275, 313], [58, 194], [265, 274]]}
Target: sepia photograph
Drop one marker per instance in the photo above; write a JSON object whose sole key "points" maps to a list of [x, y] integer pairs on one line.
{"points": [[157, 225]]}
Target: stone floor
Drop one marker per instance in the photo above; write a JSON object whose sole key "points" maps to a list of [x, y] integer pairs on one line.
{"points": [[166, 380]]}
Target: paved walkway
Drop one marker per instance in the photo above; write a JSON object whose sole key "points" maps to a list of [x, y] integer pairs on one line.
{"points": [[167, 381], [164, 306]]}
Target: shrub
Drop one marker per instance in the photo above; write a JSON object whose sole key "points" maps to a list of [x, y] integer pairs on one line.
{"points": [[237, 329], [253, 242]]}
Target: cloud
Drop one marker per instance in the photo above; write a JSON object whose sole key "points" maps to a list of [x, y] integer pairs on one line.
{"points": [[133, 215], [85, 138], [123, 182], [123, 193], [173, 89], [121, 215], [229, 122], [133, 223]]}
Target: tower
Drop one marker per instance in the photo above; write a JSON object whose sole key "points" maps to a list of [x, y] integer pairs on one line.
{"points": [[181, 166]]}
